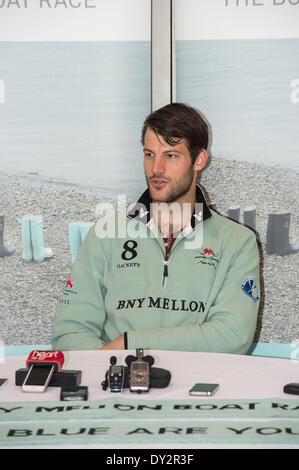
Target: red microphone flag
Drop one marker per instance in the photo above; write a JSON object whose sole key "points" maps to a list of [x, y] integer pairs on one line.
{"points": [[45, 358]]}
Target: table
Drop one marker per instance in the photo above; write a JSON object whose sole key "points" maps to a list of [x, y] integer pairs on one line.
{"points": [[250, 408]]}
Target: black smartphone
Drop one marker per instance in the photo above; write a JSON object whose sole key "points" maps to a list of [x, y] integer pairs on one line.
{"points": [[72, 393]]}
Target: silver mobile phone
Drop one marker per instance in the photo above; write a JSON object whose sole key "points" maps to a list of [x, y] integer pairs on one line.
{"points": [[38, 378], [139, 374], [203, 389]]}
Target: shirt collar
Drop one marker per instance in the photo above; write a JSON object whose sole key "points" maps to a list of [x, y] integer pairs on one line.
{"points": [[142, 209]]}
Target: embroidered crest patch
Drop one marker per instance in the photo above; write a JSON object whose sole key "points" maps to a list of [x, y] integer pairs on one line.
{"points": [[209, 257], [250, 288]]}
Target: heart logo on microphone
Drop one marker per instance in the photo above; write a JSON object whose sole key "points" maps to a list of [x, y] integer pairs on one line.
{"points": [[42, 355]]}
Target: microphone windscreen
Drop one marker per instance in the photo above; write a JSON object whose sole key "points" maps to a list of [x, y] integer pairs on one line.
{"points": [[149, 359], [130, 359], [113, 360]]}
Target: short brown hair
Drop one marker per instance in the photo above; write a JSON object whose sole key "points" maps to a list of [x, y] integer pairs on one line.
{"points": [[178, 121]]}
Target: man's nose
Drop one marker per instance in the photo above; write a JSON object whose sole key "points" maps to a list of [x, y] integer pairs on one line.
{"points": [[158, 165]]}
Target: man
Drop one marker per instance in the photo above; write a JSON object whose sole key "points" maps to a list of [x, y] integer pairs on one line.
{"points": [[183, 278]]}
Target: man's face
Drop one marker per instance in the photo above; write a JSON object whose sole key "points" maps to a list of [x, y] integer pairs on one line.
{"points": [[168, 169]]}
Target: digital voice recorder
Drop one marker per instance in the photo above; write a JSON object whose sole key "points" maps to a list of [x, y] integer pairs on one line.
{"points": [[139, 374], [115, 376]]}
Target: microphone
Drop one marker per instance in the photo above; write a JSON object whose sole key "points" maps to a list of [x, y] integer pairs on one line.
{"points": [[41, 365], [149, 359], [45, 358], [113, 360]]}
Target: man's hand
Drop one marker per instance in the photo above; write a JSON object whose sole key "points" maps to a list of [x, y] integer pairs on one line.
{"points": [[117, 343]]}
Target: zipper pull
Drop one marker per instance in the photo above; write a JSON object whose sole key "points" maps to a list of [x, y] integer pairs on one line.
{"points": [[165, 272]]}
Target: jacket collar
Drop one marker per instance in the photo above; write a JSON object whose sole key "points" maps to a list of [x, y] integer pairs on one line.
{"points": [[142, 209]]}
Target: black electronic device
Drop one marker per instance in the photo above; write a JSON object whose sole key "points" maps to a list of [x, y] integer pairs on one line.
{"points": [[292, 388], [3, 382], [41, 365], [116, 376], [139, 373], [158, 378], [65, 377], [37, 379], [78, 392], [203, 389]]}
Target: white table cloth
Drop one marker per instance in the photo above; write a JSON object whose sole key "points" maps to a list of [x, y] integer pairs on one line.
{"points": [[240, 377]]}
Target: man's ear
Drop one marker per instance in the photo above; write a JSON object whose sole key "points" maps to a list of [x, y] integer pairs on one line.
{"points": [[201, 160]]}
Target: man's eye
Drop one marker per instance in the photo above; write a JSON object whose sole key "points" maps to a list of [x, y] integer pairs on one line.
{"points": [[171, 155], [148, 154]]}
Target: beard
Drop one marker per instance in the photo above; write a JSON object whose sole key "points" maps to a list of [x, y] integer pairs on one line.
{"points": [[176, 189]]}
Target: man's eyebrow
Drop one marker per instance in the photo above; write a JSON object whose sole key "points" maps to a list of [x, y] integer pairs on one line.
{"points": [[171, 151], [165, 151]]}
